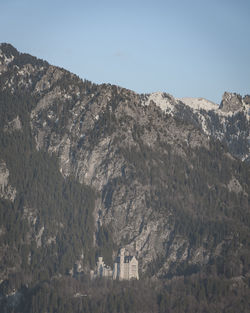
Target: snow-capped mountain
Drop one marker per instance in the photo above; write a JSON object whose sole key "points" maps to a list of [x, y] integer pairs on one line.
{"points": [[227, 122]]}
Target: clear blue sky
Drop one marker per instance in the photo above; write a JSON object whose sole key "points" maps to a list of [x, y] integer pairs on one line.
{"points": [[187, 48]]}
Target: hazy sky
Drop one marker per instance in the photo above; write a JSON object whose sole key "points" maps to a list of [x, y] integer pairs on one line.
{"points": [[186, 48]]}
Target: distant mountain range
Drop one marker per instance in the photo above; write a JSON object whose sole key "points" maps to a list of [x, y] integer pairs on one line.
{"points": [[86, 169]]}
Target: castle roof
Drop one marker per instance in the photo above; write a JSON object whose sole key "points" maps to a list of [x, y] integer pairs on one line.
{"points": [[126, 259]]}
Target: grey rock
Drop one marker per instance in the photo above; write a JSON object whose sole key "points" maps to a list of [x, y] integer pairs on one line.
{"points": [[7, 191], [13, 125], [231, 102]]}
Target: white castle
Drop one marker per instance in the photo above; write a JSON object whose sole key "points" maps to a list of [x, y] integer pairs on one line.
{"points": [[125, 267]]}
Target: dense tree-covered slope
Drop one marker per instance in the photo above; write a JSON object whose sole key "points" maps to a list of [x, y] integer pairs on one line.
{"points": [[86, 169]]}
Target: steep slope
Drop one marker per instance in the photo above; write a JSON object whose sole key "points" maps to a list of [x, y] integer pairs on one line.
{"points": [[86, 169], [37, 214]]}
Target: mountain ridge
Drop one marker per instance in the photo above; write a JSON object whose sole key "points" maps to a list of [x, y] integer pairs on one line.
{"points": [[234, 135]]}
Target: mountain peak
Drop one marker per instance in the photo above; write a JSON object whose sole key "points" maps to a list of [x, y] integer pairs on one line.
{"points": [[8, 50], [231, 102], [10, 54]]}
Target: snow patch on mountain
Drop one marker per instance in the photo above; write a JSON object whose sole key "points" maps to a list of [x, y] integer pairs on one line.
{"points": [[163, 100], [246, 109], [200, 104]]}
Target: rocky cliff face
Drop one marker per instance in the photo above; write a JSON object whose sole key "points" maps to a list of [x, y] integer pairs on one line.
{"points": [[167, 171]]}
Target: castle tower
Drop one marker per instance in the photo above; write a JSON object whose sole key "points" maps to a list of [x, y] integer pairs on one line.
{"points": [[115, 271], [121, 272], [100, 266]]}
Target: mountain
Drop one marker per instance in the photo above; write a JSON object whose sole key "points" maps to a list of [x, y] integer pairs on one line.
{"points": [[86, 169]]}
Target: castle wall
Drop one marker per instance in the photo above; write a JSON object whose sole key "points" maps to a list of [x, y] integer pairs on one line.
{"points": [[126, 271], [115, 271], [133, 269]]}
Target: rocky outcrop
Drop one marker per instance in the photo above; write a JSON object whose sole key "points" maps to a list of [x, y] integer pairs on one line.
{"points": [[231, 102], [13, 125], [6, 190]]}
